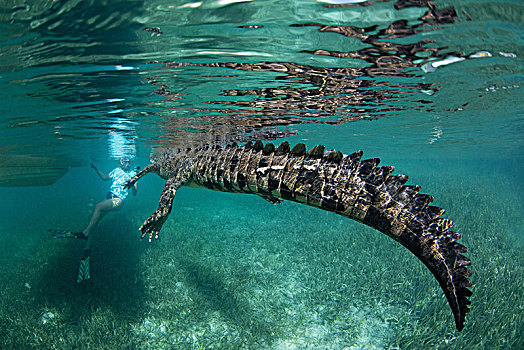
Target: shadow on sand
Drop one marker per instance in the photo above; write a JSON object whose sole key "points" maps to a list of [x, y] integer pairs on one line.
{"points": [[115, 284]]}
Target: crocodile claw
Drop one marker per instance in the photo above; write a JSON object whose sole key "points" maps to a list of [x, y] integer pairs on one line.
{"points": [[152, 225], [129, 183]]}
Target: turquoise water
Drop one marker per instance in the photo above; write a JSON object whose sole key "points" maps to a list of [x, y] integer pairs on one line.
{"points": [[89, 81]]}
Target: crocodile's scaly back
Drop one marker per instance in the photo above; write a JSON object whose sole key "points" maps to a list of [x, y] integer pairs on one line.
{"points": [[344, 184]]}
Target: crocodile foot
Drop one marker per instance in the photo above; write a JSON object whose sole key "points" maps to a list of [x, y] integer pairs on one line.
{"points": [[153, 225], [130, 183]]}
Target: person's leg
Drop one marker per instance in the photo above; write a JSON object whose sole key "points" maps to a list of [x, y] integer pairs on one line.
{"points": [[100, 211]]}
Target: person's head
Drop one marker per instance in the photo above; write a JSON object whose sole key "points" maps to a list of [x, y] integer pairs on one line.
{"points": [[125, 163]]}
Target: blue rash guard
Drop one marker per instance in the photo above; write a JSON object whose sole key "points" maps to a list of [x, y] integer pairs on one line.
{"points": [[119, 178]]}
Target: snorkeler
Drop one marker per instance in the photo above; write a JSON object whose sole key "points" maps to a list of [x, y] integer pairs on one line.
{"points": [[114, 201]]}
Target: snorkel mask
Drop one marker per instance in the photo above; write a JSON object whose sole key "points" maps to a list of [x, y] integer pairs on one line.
{"points": [[125, 162]]}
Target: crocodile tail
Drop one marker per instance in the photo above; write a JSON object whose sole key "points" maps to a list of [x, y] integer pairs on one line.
{"points": [[357, 189], [363, 191], [435, 245], [384, 202]]}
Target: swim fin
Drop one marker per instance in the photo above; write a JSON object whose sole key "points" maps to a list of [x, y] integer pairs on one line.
{"points": [[83, 270], [67, 234]]}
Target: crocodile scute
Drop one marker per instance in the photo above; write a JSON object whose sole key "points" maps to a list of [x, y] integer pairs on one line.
{"points": [[344, 184]]}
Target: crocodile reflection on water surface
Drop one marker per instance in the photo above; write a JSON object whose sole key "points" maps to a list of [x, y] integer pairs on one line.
{"points": [[296, 93]]}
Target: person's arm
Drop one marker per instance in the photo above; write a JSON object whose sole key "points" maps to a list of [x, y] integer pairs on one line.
{"points": [[101, 174]]}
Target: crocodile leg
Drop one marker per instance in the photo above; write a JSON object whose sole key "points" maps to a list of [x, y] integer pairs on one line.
{"points": [[154, 223], [148, 169]]}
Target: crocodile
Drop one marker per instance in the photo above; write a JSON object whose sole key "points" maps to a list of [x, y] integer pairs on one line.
{"points": [[330, 180]]}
